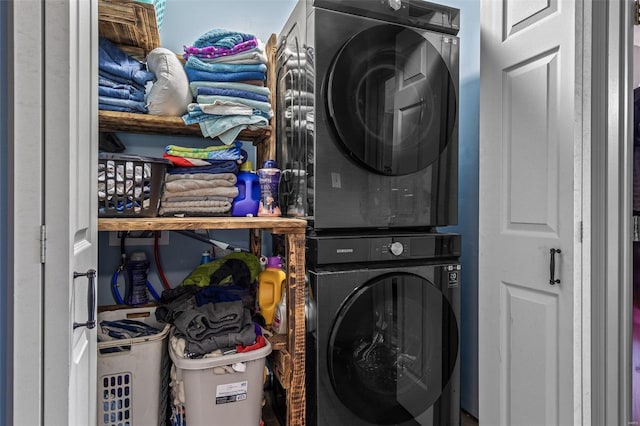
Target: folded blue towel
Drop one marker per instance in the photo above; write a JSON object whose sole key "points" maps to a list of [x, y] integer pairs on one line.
{"points": [[209, 99], [222, 38], [196, 75], [197, 64], [198, 116], [262, 90], [228, 128], [232, 92]]}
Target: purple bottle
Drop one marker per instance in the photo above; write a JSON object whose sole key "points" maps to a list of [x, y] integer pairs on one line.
{"points": [[248, 200], [269, 176]]}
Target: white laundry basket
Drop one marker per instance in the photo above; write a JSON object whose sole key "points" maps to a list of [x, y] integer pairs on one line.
{"points": [[217, 392], [133, 374]]}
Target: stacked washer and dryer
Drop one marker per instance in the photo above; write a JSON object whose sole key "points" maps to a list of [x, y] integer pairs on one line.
{"points": [[367, 128]]}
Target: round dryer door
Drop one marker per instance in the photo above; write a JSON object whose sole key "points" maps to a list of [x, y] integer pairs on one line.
{"points": [[392, 348], [391, 99]]}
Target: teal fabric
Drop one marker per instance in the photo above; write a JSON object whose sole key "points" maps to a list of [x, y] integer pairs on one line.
{"points": [[222, 38], [159, 5]]}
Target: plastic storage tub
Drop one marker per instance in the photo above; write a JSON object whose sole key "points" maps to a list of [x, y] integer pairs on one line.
{"points": [[217, 393], [130, 185], [133, 374]]}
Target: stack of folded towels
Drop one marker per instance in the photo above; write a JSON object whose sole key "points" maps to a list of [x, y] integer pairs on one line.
{"points": [[227, 73], [121, 81], [202, 181]]}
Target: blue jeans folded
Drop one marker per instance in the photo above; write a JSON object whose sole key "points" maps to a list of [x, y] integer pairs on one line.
{"points": [[129, 105], [117, 80], [121, 93], [115, 62]]}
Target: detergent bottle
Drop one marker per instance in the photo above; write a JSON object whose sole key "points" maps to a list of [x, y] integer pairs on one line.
{"points": [[270, 285], [280, 315], [248, 200]]}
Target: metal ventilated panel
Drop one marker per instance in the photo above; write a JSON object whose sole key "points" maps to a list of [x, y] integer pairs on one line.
{"points": [[116, 401]]}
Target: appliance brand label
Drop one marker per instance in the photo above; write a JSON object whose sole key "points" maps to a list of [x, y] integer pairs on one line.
{"points": [[344, 250]]}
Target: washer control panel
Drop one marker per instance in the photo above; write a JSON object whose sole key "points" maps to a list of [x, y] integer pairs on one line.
{"points": [[374, 248]]}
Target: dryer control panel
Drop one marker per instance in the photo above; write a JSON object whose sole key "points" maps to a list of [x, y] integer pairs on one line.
{"points": [[324, 250], [413, 13]]}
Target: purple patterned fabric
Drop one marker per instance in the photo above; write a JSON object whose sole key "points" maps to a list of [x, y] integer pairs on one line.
{"points": [[216, 52]]}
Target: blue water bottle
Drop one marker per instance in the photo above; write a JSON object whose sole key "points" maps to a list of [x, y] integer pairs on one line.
{"points": [[248, 200], [137, 268]]}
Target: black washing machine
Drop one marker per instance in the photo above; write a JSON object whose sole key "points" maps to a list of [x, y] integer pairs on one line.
{"points": [[383, 344], [367, 124]]}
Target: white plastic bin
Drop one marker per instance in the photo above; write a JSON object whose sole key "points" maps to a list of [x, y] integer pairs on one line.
{"points": [[133, 379], [216, 393]]}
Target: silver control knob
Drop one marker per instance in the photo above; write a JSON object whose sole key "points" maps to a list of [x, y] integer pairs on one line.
{"points": [[396, 248], [395, 4]]}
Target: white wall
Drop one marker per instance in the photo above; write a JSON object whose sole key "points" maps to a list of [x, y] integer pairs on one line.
{"points": [[186, 20], [3, 208], [469, 109]]}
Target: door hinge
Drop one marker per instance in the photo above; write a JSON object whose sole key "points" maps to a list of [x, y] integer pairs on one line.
{"points": [[43, 243], [637, 14]]}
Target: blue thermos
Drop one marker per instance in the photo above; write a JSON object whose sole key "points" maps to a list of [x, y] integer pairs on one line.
{"points": [[137, 268]]}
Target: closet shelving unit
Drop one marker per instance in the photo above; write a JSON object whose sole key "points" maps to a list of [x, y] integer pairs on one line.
{"points": [[132, 26]]}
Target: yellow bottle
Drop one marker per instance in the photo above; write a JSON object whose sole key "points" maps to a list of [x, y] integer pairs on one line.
{"points": [[270, 284]]}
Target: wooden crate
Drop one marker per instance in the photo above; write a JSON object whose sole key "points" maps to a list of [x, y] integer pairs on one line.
{"points": [[130, 24]]}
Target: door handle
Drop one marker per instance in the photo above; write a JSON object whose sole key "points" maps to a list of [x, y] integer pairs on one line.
{"points": [[552, 266], [91, 299]]}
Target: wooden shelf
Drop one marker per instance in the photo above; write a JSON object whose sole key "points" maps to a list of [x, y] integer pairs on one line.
{"points": [[288, 356], [132, 26], [111, 121], [275, 225]]}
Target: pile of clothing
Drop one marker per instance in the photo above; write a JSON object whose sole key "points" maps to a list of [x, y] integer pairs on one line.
{"points": [[202, 181], [227, 73], [123, 329], [217, 317], [122, 80]]}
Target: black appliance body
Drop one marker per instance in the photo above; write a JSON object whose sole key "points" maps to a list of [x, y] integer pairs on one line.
{"points": [[367, 125], [383, 344]]}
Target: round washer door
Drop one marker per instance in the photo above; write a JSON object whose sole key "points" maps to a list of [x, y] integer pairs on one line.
{"points": [[391, 99], [392, 348]]}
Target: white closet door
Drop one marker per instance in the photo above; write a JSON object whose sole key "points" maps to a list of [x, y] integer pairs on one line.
{"points": [[529, 204], [71, 145]]}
